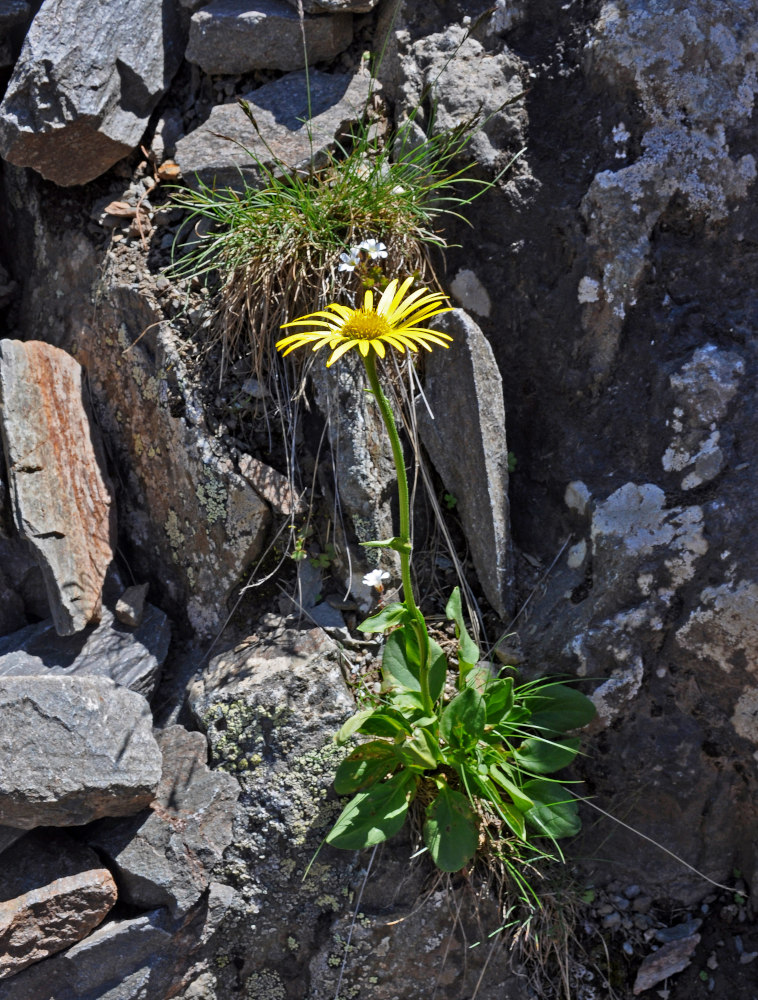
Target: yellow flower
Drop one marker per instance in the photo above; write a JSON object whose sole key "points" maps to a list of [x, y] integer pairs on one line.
{"points": [[395, 321]]}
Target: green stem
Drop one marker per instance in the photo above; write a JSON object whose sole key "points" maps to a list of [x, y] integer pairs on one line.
{"points": [[405, 527]]}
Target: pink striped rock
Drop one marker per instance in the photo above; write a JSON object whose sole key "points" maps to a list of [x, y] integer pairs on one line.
{"points": [[61, 498]]}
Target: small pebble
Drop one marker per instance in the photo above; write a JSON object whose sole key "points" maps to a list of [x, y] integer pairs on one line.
{"points": [[612, 921], [632, 891], [627, 948]]}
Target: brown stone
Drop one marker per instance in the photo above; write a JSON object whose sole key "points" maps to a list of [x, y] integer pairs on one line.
{"points": [[667, 961], [61, 497], [53, 892]]}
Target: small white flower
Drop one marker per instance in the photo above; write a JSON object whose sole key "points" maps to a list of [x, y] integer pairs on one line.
{"points": [[351, 260], [375, 578], [374, 249]]}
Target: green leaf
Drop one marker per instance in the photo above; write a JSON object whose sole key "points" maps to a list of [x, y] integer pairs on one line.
{"points": [[396, 543], [373, 816], [365, 765], [498, 698], [479, 677], [386, 722], [421, 751], [468, 651], [407, 702], [400, 659], [390, 616], [558, 708], [555, 812], [462, 722], [451, 832], [544, 757], [521, 801], [353, 724], [437, 670]]}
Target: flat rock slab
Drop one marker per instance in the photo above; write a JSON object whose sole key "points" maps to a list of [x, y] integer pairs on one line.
{"points": [[238, 36], [130, 657], [88, 78], [53, 892], [165, 857], [73, 749], [280, 109], [467, 445], [667, 961], [61, 498], [120, 960]]}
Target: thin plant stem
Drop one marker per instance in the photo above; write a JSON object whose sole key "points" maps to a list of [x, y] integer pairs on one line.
{"points": [[404, 548]]}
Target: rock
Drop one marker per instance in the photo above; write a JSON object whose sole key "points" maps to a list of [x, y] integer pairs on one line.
{"points": [[279, 109], [120, 960], [9, 835], [165, 858], [362, 475], [471, 293], [194, 523], [335, 6], [61, 496], [703, 390], [130, 607], [131, 658], [669, 57], [53, 892], [73, 749], [272, 486], [85, 86], [667, 961], [237, 36], [467, 445]]}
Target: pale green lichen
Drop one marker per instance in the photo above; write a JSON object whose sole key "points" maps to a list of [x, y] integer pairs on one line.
{"points": [[212, 497], [265, 985], [293, 944]]}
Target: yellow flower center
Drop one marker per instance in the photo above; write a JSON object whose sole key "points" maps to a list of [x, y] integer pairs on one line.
{"points": [[365, 325]]}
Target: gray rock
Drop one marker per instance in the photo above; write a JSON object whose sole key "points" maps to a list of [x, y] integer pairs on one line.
{"points": [[86, 83], [667, 961], [166, 857], [132, 658], [692, 74], [237, 36], [130, 607], [121, 960], [335, 6], [73, 749], [363, 477], [61, 496], [467, 445], [279, 109], [53, 892]]}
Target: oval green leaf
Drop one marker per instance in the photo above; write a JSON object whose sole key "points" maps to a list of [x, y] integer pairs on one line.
{"points": [[394, 614], [451, 831], [555, 812], [558, 708], [545, 756], [373, 816], [366, 765], [462, 722]]}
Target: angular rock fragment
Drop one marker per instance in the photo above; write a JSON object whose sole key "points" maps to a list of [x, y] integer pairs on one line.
{"points": [[165, 857], [279, 109], [667, 961], [86, 84], [130, 607], [120, 960], [467, 445], [132, 658], [237, 36], [73, 749], [53, 892], [61, 498]]}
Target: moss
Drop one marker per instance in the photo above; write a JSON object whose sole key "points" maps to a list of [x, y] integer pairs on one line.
{"points": [[293, 944]]}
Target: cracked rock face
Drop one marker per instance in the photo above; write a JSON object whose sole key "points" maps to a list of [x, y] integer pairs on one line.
{"points": [[72, 132], [62, 498], [73, 749]]}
